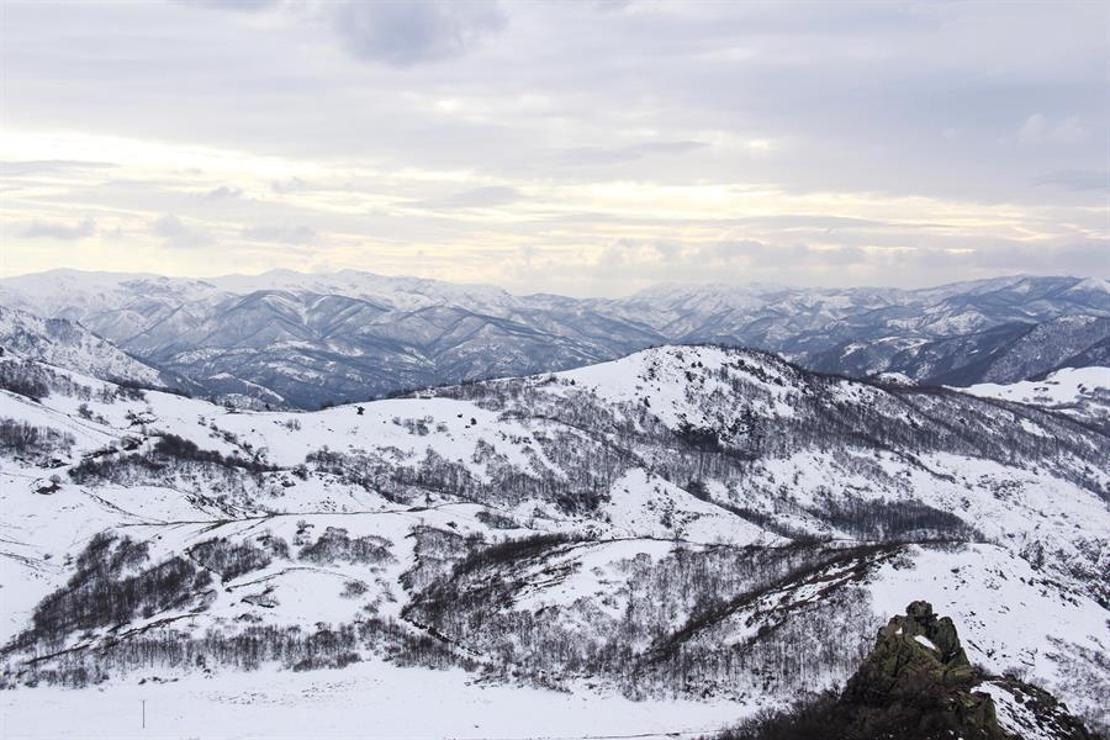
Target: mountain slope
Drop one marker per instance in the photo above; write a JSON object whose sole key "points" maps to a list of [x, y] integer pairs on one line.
{"points": [[69, 345], [1081, 393], [672, 523], [1005, 354], [306, 340]]}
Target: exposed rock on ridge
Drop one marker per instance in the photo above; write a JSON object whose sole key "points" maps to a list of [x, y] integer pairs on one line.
{"points": [[918, 675], [918, 684]]}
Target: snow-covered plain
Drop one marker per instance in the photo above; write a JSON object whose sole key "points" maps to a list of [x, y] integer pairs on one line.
{"points": [[366, 700]]}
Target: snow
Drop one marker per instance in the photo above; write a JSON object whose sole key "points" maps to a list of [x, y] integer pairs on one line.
{"points": [[1009, 614], [895, 378], [1061, 387], [1092, 285], [964, 323], [595, 568], [1012, 716], [673, 377], [381, 333], [1081, 393], [641, 500], [68, 344], [923, 640], [371, 699]]}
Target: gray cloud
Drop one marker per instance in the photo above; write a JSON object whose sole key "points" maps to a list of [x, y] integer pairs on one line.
{"points": [[1077, 179], [810, 221], [619, 155], [48, 167], [402, 34], [1080, 259], [290, 185], [244, 6], [755, 252], [176, 233], [223, 192], [1039, 128], [281, 234], [678, 126], [484, 197], [63, 231]]}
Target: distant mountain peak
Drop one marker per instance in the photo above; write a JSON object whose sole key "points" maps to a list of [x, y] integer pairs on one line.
{"points": [[69, 345], [280, 332]]}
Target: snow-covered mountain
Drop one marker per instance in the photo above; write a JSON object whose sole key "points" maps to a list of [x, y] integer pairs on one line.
{"points": [[68, 344], [1007, 353], [685, 523], [286, 338], [303, 340]]}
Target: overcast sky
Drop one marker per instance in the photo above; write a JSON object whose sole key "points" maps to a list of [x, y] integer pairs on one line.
{"points": [[588, 148]]}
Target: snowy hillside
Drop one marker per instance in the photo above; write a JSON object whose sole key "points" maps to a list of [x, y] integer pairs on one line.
{"points": [[305, 340], [670, 525], [69, 345], [1081, 393]]}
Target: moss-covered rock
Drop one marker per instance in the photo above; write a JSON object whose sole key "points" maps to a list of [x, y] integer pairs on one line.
{"points": [[917, 684], [918, 678]]}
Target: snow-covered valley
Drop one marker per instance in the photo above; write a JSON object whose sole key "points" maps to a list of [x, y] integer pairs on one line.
{"points": [[367, 699]]}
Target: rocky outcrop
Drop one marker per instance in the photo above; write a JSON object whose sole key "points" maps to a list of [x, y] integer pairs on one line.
{"points": [[918, 679], [918, 684]]}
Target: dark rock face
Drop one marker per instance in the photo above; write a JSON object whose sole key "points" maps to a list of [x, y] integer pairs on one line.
{"points": [[918, 680], [917, 684]]}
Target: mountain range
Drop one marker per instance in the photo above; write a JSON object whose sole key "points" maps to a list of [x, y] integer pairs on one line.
{"points": [[711, 526], [294, 340]]}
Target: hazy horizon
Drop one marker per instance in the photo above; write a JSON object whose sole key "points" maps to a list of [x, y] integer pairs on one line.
{"points": [[591, 148], [736, 284]]}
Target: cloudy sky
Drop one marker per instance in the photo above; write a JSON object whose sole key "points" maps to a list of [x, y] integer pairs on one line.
{"points": [[588, 148]]}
